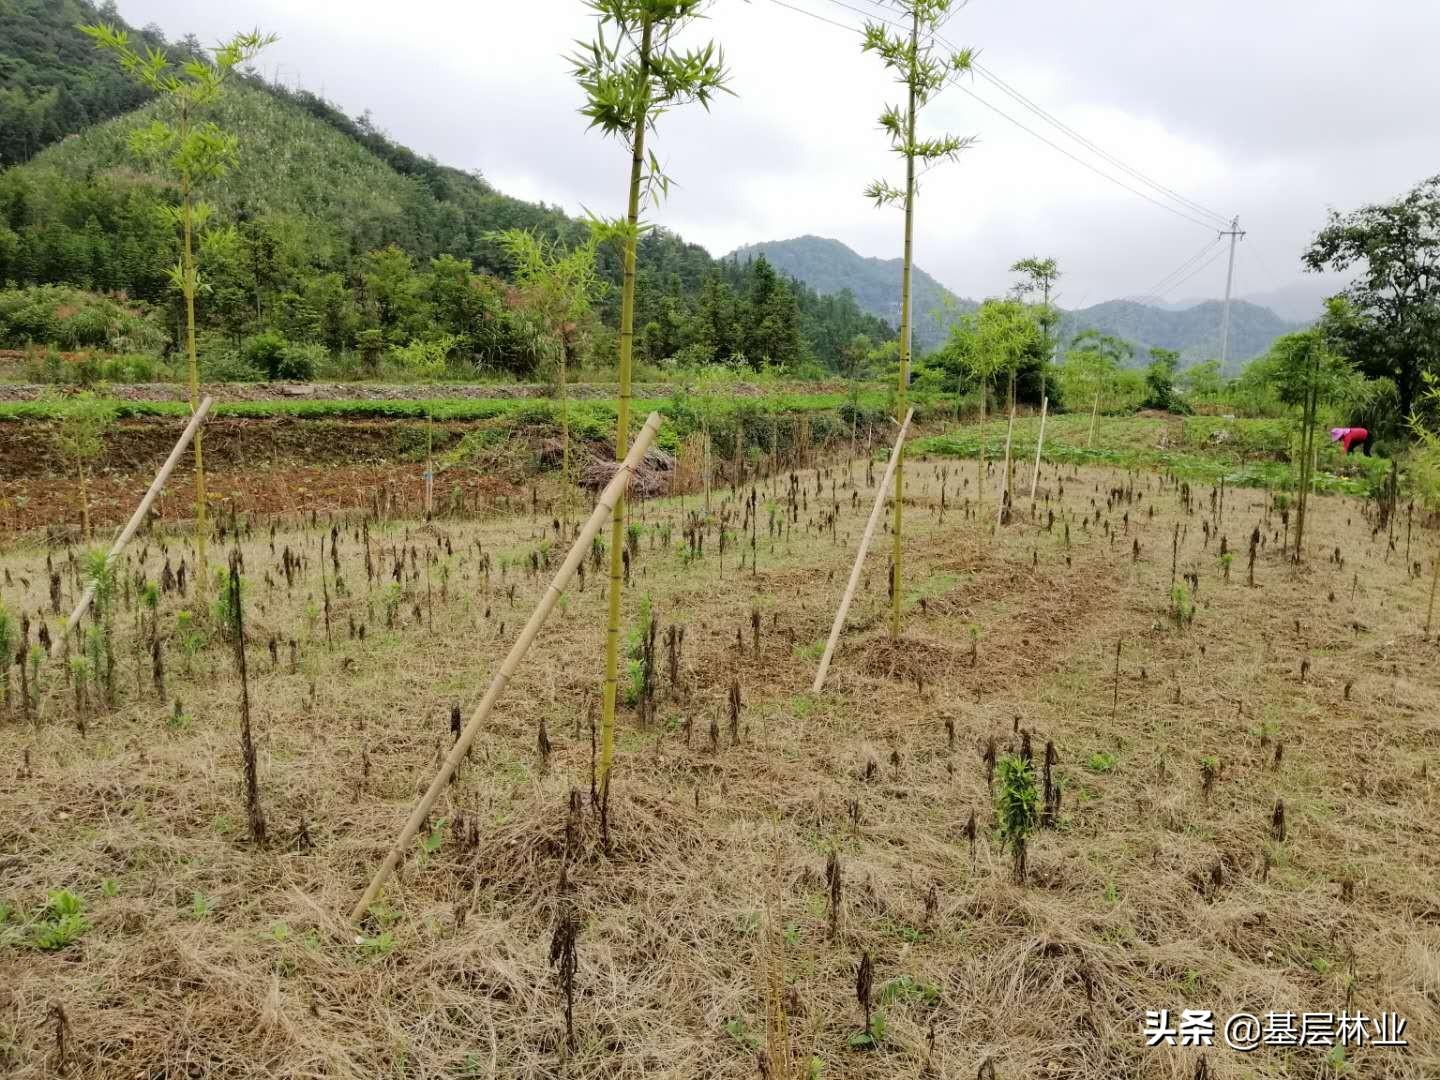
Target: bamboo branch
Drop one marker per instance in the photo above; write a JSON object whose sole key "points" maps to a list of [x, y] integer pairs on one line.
{"points": [[578, 550], [860, 556], [138, 518]]}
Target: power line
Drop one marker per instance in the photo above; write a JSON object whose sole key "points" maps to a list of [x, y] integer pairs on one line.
{"points": [[1040, 111], [1161, 286], [1006, 116], [816, 15], [1079, 160], [1207, 263], [1006, 88]]}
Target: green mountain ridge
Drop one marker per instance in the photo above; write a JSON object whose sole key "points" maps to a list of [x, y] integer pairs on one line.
{"points": [[829, 266], [313, 192]]}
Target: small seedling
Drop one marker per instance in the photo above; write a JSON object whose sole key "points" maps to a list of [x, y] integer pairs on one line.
{"points": [[1017, 813], [60, 923], [1102, 761]]}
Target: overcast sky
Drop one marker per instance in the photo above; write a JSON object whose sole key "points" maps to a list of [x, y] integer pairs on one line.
{"points": [[1274, 110]]}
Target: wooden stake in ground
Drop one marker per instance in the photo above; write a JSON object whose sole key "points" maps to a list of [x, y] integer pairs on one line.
{"points": [[1005, 475], [1039, 445], [860, 555], [578, 551], [1434, 582], [138, 518]]}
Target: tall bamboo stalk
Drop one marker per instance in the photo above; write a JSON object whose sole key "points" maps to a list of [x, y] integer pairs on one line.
{"points": [[898, 543], [1307, 450], [189, 282], [980, 456], [622, 419], [1094, 412], [609, 500]]}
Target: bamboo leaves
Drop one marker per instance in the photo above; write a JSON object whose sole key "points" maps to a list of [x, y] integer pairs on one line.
{"points": [[923, 71], [630, 82]]}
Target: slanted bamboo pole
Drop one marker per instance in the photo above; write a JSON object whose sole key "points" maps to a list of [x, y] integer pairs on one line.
{"points": [[1039, 445], [138, 518], [578, 550], [860, 555]]}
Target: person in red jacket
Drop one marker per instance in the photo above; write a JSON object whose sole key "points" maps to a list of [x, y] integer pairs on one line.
{"points": [[1351, 437]]}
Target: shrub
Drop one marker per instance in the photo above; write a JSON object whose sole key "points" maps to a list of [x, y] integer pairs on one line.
{"points": [[424, 359], [265, 352], [300, 362], [282, 360], [226, 365]]}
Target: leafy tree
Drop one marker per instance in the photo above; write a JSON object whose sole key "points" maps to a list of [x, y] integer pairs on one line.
{"points": [[1203, 381], [558, 289], [631, 75], [1424, 476], [922, 72], [1160, 381], [1092, 365], [1395, 247], [1038, 276], [772, 334], [81, 440], [856, 360], [999, 336], [196, 152]]}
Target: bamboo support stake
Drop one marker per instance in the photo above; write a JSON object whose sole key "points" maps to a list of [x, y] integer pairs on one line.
{"points": [[1434, 582], [1039, 445], [578, 551], [1005, 475], [860, 556], [138, 518]]}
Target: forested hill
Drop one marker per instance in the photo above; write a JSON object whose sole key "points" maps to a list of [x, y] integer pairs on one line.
{"points": [[314, 194], [1193, 332], [50, 83], [828, 266]]}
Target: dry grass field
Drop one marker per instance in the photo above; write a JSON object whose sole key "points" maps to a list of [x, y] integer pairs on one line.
{"points": [[179, 947]]}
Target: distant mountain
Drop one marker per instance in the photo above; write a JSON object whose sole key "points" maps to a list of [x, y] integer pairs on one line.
{"points": [[1193, 330], [828, 266]]}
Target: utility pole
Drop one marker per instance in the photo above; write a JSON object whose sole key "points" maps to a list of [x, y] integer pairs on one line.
{"points": [[1234, 233]]}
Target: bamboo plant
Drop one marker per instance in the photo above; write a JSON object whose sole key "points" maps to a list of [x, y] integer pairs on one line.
{"points": [[923, 72], [631, 75], [1311, 374], [83, 425], [196, 152]]}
